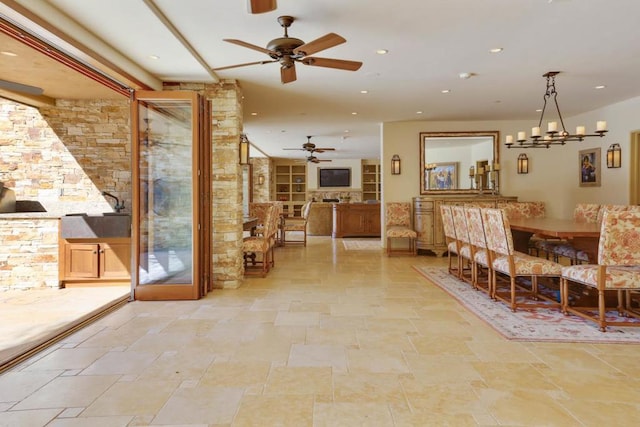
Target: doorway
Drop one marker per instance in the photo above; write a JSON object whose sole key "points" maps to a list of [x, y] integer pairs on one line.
{"points": [[171, 191]]}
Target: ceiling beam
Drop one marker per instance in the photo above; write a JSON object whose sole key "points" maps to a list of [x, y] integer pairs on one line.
{"points": [[178, 35]]}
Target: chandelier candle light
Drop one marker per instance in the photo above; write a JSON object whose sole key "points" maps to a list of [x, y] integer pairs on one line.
{"points": [[553, 136]]}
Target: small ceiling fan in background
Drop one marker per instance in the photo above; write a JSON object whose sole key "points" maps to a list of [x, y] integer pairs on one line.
{"points": [[311, 148], [289, 50], [261, 6]]}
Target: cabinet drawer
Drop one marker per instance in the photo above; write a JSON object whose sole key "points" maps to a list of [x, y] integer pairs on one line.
{"points": [[423, 205]]}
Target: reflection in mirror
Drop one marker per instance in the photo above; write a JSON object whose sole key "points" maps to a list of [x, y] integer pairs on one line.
{"points": [[459, 162]]}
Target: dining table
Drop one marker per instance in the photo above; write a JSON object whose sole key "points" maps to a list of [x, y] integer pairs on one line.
{"points": [[581, 235]]}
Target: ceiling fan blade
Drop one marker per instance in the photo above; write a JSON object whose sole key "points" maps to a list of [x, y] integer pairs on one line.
{"points": [[242, 65], [250, 46], [297, 149], [288, 74], [341, 64], [322, 150], [19, 87], [322, 43], [261, 6]]}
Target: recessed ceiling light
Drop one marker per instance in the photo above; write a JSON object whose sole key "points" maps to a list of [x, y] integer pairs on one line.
{"points": [[446, 91], [347, 131], [355, 113], [418, 112], [539, 110], [382, 51], [600, 87], [154, 57], [496, 50], [254, 114], [7, 53], [364, 91]]}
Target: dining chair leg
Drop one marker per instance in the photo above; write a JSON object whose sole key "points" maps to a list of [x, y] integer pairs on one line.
{"points": [[513, 294], [601, 311]]}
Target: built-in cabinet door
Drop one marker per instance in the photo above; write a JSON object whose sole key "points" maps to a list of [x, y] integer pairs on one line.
{"points": [[81, 260], [171, 195], [115, 260]]}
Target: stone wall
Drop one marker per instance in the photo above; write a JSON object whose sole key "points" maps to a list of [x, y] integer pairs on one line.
{"points": [[29, 253], [261, 166], [65, 156]]}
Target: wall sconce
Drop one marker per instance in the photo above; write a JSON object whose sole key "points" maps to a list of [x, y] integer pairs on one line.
{"points": [[244, 149], [260, 179], [614, 156], [523, 163], [395, 165]]}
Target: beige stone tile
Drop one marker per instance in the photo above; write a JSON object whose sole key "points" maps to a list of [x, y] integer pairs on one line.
{"points": [[350, 414], [236, 374], [510, 376], [314, 355], [502, 351], [132, 398], [285, 411], [15, 386], [440, 345], [68, 359], [191, 326], [65, 392], [35, 417], [441, 369], [371, 360], [527, 407], [304, 380], [187, 364], [571, 359], [596, 386], [200, 405], [594, 413], [365, 387], [331, 336], [121, 362], [301, 318], [385, 341], [116, 421]]}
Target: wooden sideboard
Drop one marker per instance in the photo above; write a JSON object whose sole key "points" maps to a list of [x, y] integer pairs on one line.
{"points": [[356, 219], [427, 220]]}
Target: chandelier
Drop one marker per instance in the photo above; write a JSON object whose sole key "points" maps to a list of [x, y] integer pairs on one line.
{"points": [[553, 135]]}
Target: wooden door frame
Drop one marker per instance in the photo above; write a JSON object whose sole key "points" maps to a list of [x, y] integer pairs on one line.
{"points": [[634, 168]]}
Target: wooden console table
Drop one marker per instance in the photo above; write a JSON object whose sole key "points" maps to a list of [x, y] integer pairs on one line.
{"points": [[356, 219]]}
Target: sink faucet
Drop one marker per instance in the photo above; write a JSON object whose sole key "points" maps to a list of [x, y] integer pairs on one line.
{"points": [[119, 206]]}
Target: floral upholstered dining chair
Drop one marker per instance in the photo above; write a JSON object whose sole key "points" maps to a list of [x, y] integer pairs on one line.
{"points": [[505, 260], [617, 270], [479, 254], [464, 250], [453, 244], [398, 226]]}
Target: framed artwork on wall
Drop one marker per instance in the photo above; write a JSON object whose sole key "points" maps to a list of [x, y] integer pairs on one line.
{"points": [[589, 170], [443, 177]]}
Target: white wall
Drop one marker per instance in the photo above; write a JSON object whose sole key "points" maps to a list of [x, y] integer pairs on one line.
{"points": [[553, 173]]}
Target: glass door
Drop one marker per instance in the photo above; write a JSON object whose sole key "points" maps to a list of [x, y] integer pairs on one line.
{"points": [[171, 196]]}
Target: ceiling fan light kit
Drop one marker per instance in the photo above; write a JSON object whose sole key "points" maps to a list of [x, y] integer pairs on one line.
{"points": [[289, 50]]}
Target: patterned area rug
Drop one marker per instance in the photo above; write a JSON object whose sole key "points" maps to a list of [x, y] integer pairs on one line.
{"points": [[362, 244], [532, 324]]}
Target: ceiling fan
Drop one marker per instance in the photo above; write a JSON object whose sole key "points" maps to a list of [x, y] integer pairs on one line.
{"points": [[19, 87], [261, 6], [311, 147], [314, 159], [289, 50]]}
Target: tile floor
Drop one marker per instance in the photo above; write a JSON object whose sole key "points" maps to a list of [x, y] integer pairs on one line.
{"points": [[330, 338]]}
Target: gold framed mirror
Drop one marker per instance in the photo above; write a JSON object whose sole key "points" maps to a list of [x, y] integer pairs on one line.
{"points": [[459, 162]]}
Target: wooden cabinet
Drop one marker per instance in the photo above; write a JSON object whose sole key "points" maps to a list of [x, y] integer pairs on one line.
{"points": [[94, 261], [370, 181], [356, 219], [427, 220], [291, 187]]}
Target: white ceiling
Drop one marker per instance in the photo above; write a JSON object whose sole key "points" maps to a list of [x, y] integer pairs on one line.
{"points": [[430, 42]]}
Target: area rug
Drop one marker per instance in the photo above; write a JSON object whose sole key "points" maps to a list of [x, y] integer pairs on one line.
{"points": [[530, 324], [362, 244]]}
